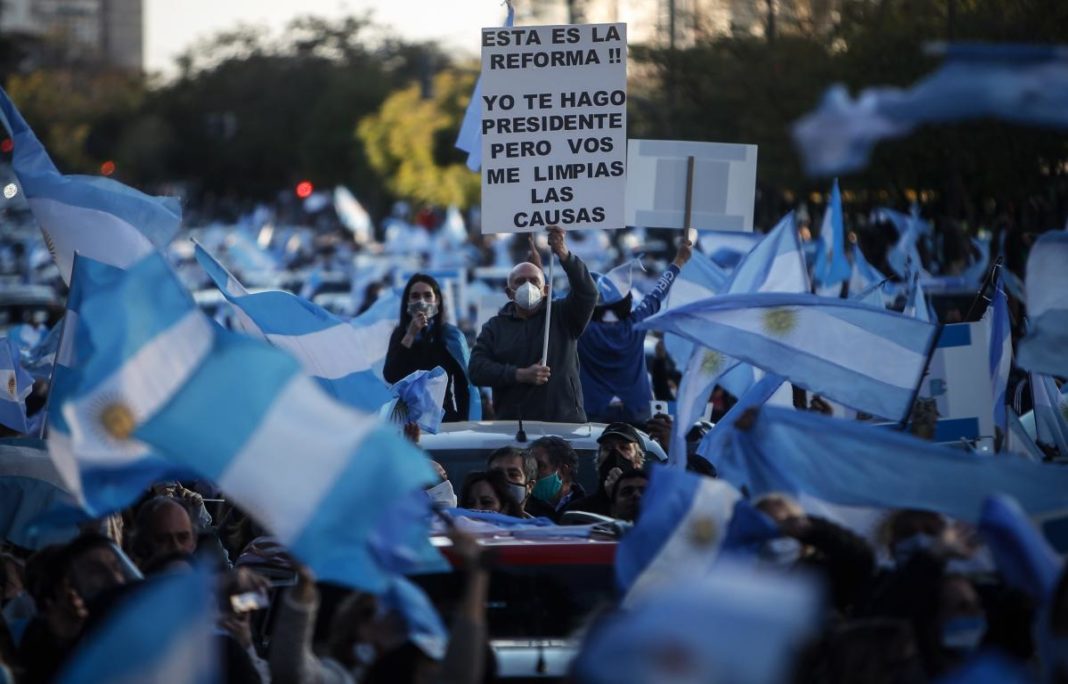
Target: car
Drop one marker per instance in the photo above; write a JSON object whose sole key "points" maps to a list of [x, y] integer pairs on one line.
{"points": [[542, 594], [465, 446]]}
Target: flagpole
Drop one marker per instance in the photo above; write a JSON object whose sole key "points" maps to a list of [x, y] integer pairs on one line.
{"points": [[687, 221], [982, 288], [548, 312]]}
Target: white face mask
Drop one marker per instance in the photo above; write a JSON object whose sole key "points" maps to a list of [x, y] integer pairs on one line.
{"points": [[519, 492], [442, 494], [528, 296], [782, 552]]}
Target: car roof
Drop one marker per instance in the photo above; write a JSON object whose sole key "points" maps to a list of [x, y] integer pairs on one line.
{"points": [[515, 551], [497, 433]]}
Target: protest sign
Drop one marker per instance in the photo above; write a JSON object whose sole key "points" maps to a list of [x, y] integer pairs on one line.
{"points": [[554, 121], [959, 382], [724, 185]]}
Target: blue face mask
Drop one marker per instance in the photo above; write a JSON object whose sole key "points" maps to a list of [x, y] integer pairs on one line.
{"points": [[963, 633]]}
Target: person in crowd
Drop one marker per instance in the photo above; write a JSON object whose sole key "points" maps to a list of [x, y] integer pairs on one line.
{"points": [[845, 559], [162, 528], [363, 641], [619, 448], [489, 491], [615, 381], [520, 468], [557, 469], [423, 340], [508, 354], [626, 495], [240, 660], [441, 493]]}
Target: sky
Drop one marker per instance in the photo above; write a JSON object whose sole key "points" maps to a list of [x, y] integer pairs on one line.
{"points": [[172, 25]]}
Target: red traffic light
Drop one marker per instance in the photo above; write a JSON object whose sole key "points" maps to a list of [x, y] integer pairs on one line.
{"points": [[305, 189]]}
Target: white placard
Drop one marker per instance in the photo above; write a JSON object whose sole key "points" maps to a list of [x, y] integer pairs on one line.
{"points": [[958, 380], [554, 122], [724, 184]]}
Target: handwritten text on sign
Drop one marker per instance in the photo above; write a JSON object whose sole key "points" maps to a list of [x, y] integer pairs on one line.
{"points": [[554, 127]]}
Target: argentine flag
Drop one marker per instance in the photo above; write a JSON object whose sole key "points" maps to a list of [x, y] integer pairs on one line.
{"points": [[867, 359], [776, 264], [832, 267], [317, 474], [161, 630], [822, 460], [1051, 412], [1043, 350], [469, 139], [340, 355], [96, 217]]}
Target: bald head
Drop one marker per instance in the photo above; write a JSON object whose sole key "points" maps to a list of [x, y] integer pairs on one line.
{"points": [[525, 272]]}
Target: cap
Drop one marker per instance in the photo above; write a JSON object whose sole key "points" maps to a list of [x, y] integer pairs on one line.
{"points": [[621, 430]]}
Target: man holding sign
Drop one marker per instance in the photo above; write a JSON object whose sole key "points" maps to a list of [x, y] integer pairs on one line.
{"points": [[508, 354]]}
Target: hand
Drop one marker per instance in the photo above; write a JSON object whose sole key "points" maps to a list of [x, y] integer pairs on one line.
{"points": [[536, 374], [797, 526], [611, 479], [556, 242], [412, 432], [534, 256], [659, 428], [419, 322], [684, 252]]}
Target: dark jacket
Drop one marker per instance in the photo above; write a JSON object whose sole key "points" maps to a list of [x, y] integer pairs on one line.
{"points": [[425, 354], [508, 342]]}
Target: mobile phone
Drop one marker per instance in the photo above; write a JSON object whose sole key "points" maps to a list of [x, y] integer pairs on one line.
{"points": [[659, 407], [248, 601]]}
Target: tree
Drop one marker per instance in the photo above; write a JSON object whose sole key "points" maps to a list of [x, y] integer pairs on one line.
{"points": [[410, 142]]}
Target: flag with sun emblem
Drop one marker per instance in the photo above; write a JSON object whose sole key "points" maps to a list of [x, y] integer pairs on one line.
{"points": [[1043, 349], [680, 531], [829, 463], [776, 264], [96, 217], [867, 359], [15, 385], [341, 355]]}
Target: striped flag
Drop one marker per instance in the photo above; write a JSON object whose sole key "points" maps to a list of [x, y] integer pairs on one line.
{"points": [[1043, 349], [1000, 353]]}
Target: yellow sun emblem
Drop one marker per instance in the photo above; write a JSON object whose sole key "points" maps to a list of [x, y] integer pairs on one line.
{"points": [[780, 322], [12, 386], [703, 531], [711, 362], [118, 420]]}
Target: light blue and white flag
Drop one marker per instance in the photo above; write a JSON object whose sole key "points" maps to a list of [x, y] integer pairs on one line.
{"points": [[29, 487], [697, 280], [916, 303], [832, 266], [1026, 84], [163, 631], [1043, 349], [340, 355], [776, 264], [872, 296], [353, 216], [904, 255], [683, 523], [1051, 412], [726, 248], [239, 412], [867, 359], [1000, 353], [39, 359], [418, 398], [469, 139], [864, 276], [1017, 441], [615, 285], [848, 463], [96, 217], [15, 385]]}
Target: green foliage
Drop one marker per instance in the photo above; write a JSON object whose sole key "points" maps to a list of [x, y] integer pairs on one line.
{"points": [[409, 142]]}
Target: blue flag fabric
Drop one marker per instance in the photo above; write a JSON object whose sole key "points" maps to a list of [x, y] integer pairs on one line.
{"points": [[317, 474], [1019, 83], [832, 266], [1023, 557], [163, 631], [1051, 412], [1043, 349], [418, 399], [848, 463], [15, 385], [30, 487], [867, 359], [422, 623], [469, 139], [94, 216], [339, 354]]}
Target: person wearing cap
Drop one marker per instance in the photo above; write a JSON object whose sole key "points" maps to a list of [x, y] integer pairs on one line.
{"points": [[620, 448], [615, 382], [507, 356]]}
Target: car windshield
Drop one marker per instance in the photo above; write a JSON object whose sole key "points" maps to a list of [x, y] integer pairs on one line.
{"points": [[533, 601], [459, 462]]}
